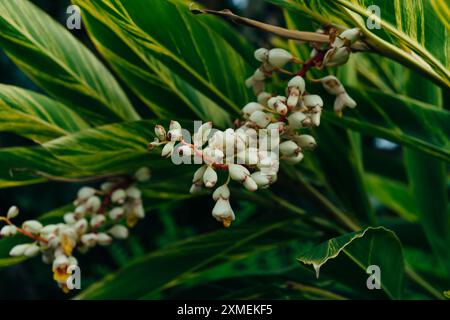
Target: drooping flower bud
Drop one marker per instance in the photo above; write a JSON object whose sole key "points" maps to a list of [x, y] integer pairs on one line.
{"points": [[306, 141], [18, 250], [168, 149], [238, 172], [262, 180], [31, 251], [312, 101], [93, 204], [343, 100], [279, 57], [261, 119], [250, 184], [289, 148], [221, 192], [104, 239], [89, 240], [250, 108], [116, 213], [296, 120], [336, 57], [259, 75], [294, 159], [97, 221], [8, 231], [296, 87], [223, 212], [332, 85], [85, 193], [210, 177]]}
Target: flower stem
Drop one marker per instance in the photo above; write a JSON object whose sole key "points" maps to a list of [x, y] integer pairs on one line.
{"points": [[24, 232]]}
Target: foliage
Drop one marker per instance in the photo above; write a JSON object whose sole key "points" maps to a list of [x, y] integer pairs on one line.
{"points": [[345, 208]]}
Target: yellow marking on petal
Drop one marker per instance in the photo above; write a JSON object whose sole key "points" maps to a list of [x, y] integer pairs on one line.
{"points": [[67, 245], [226, 222], [132, 220]]}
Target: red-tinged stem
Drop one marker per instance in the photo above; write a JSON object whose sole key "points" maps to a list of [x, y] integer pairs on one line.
{"points": [[311, 63], [24, 232]]}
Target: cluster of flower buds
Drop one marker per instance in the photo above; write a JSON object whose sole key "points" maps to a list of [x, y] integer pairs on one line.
{"points": [[271, 61], [269, 130], [340, 50], [98, 217]]}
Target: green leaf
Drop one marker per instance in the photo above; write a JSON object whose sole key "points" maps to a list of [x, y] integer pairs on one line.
{"points": [[340, 164], [173, 44], [169, 266], [414, 33], [60, 64], [392, 194], [116, 148], [35, 116], [397, 118], [19, 166], [371, 246]]}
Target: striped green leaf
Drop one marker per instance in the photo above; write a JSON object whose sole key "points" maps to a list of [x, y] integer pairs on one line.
{"points": [[415, 32], [371, 246], [173, 44], [21, 165], [60, 64], [36, 116]]}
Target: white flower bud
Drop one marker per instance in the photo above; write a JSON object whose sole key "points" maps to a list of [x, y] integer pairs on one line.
{"points": [[210, 177], [118, 196], [296, 120], [336, 57], [221, 192], [312, 101], [306, 141], [89, 240], [160, 132], [18, 250], [48, 229], [97, 221], [223, 212], [279, 126], [8, 231], [238, 172], [263, 97], [259, 75], [250, 108], [198, 175], [168, 149], [116, 213], [93, 204], [143, 174], [343, 100], [212, 155], [85, 193], [31, 251], [69, 218], [81, 226], [202, 134], [352, 35], [139, 211], [195, 188], [119, 232], [294, 159], [32, 226], [297, 82], [289, 148], [260, 118], [175, 135], [12, 212], [279, 57], [174, 125], [315, 119], [104, 239], [107, 186], [262, 54], [332, 85], [133, 192], [262, 180], [250, 184], [80, 212]]}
